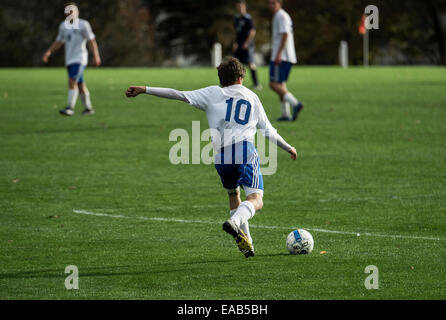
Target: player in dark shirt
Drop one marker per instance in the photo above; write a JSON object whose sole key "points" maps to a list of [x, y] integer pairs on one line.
{"points": [[244, 45]]}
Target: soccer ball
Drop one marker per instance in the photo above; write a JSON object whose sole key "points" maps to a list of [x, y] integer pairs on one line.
{"points": [[299, 241]]}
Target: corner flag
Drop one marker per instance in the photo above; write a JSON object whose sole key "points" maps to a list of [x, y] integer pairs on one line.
{"points": [[362, 29]]}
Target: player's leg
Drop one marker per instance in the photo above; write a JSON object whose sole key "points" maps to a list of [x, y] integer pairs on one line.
{"points": [[229, 175], [287, 95], [234, 199], [278, 76], [280, 89], [251, 179], [73, 90], [85, 98], [73, 93], [84, 94], [253, 69], [254, 196], [247, 209], [277, 86], [234, 203]]}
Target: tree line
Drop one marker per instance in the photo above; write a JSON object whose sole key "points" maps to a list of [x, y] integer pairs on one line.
{"points": [[154, 32]]}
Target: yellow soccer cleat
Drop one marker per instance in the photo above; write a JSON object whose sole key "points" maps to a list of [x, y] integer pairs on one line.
{"points": [[242, 241]]}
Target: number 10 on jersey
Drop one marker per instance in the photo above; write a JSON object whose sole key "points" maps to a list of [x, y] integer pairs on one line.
{"points": [[238, 107]]}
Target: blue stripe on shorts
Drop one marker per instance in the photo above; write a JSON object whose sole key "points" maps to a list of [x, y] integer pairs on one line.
{"points": [[76, 72], [279, 72], [240, 173]]}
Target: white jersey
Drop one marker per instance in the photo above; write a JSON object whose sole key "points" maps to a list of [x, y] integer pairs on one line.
{"points": [[234, 113], [75, 40], [282, 23]]}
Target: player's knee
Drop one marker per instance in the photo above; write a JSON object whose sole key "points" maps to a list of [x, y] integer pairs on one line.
{"points": [[257, 200], [72, 84], [272, 85], [259, 203], [82, 87]]}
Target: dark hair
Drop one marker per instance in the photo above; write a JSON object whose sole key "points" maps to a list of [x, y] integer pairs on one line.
{"points": [[71, 4], [230, 70]]}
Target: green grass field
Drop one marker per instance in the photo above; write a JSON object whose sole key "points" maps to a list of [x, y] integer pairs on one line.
{"points": [[372, 151]]}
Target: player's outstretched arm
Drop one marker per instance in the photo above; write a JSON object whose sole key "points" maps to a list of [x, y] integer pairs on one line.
{"points": [[167, 93], [54, 47], [271, 133]]}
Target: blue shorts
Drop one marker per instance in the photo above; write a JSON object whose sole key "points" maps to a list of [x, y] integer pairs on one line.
{"points": [[76, 72], [245, 56], [279, 72], [241, 166]]}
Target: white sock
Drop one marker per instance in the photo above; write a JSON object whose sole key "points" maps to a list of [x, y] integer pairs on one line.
{"points": [[290, 98], [245, 211], [85, 98], [244, 226], [72, 97], [285, 106]]}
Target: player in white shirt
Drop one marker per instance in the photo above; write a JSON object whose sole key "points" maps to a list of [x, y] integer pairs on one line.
{"points": [[282, 59], [234, 113], [75, 33]]}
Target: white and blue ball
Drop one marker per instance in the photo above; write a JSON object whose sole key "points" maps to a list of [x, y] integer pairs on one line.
{"points": [[300, 241]]}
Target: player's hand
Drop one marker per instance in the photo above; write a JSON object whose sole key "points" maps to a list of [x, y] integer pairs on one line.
{"points": [[46, 56], [97, 61], [293, 153], [278, 59], [234, 47], [245, 46], [133, 91]]}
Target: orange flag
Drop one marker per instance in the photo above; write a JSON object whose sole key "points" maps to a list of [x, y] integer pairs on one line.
{"points": [[362, 29]]}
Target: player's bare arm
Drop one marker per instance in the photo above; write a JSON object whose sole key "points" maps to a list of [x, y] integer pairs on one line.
{"points": [[278, 58], [250, 38], [54, 47], [94, 48]]}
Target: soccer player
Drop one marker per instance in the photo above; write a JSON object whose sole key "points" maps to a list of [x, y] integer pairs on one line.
{"points": [[282, 59], [233, 112], [74, 33], [244, 45]]}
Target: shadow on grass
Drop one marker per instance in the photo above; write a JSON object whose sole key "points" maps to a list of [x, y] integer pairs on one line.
{"points": [[273, 255], [107, 271]]}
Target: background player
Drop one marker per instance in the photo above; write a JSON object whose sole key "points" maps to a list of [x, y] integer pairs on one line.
{"points": [[75, 34], [282, 59], [244, 45], [233, 112]]}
